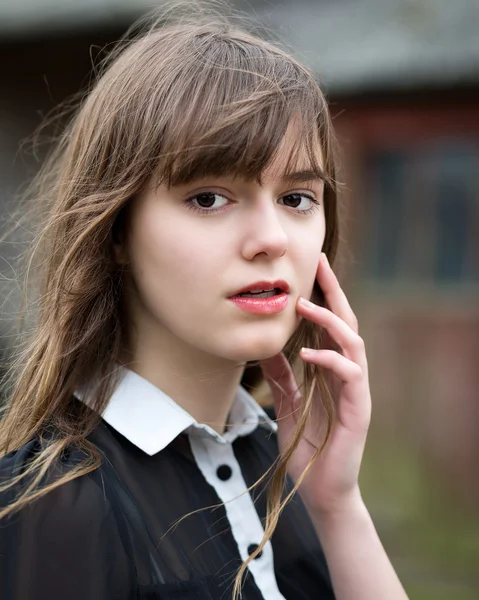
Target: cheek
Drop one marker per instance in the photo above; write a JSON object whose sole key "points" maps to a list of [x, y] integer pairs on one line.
{"points": [[192, 256], [306, 257], [179, 258]]}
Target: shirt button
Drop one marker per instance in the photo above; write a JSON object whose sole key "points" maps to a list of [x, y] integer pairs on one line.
{"points": [[252, 548], [224, 472]]}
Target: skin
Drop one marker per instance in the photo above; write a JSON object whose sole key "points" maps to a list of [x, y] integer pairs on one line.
{"points": [[188, 339]]}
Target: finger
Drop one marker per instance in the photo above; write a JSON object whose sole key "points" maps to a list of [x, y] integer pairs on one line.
{"points": [[355, 390], [280, 377], [333, 293], [351, 344], [347, 370]]}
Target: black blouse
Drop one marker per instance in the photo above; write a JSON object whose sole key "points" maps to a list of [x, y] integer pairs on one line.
{"points": [[107, 535]]}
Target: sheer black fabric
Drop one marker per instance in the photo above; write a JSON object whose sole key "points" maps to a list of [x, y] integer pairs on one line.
{"points": [[108, 535]]}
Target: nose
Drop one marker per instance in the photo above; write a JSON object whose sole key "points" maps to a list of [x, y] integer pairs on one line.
{"points": [[265, 234]]}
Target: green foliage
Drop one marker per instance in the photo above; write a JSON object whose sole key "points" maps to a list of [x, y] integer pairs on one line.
{"points": [[431, 539]]}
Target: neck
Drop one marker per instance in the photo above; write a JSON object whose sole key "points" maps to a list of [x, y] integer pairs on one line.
{"points": [[201, 384]]}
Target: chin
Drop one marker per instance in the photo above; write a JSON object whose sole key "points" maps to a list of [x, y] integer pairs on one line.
{"points": [[256, 348]]}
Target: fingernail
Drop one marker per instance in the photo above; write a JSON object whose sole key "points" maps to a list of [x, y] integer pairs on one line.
{"points": [[306, 303], [324, 258], [307, 351]]}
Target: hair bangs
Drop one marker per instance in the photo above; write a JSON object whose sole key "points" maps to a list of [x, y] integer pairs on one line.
{"points": [[237, 119], [245, 150]]}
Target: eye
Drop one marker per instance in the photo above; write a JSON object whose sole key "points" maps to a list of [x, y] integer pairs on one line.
{"points": [[207, 202], [303, 203]]}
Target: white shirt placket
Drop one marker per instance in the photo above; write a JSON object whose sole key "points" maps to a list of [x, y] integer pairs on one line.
{"points": [[218, 464]]}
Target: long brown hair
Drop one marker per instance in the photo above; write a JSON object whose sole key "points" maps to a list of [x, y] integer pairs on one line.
{"points": [[184, 98]]}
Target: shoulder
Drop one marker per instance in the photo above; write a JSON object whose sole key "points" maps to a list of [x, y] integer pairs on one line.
{"points": [[71, 531], [70, 496]]}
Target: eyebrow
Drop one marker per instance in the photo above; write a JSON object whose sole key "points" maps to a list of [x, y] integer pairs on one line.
{"points": [[302, 176]]}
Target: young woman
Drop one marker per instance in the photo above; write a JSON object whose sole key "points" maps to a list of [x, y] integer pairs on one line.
{"points": [[191, 221]]}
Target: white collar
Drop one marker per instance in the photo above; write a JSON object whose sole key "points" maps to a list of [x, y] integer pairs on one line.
{"points": [[150, 419]]}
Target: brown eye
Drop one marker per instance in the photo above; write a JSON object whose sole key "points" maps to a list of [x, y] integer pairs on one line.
{"points": [[301, 202], [207, 200], [294, 199]]}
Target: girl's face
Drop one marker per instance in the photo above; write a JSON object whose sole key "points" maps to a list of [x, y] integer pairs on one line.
{"points": [[191, 247]]}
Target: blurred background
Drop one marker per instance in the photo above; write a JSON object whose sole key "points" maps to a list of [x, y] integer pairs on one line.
{"points": [[402, 78]]}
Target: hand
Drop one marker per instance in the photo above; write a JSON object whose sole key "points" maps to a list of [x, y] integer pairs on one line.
{"points": [[332, 483]]}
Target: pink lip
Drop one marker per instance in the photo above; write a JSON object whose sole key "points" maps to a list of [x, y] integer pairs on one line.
{"points": [[263, 285], [262, 306]]}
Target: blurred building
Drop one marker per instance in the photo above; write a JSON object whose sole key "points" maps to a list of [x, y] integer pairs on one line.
{"points": [[409, 125], [403, 80]]}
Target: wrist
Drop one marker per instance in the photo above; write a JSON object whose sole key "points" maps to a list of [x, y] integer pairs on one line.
{"points": [[351, 520], [351, 505]]}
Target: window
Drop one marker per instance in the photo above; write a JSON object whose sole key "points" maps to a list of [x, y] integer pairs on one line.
{"points": [[422, 224]]}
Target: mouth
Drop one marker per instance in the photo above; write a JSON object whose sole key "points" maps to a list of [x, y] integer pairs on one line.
{"points": [[262, 297], [262, 289]]}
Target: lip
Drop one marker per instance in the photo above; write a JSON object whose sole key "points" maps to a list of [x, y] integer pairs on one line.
{"points": [[263, 285], [262, 306]]}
